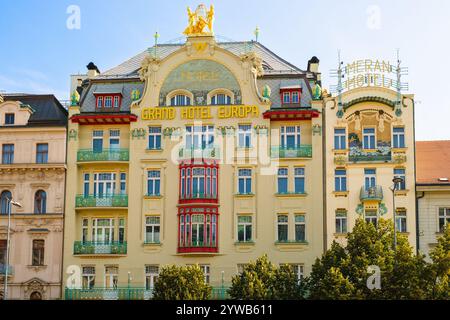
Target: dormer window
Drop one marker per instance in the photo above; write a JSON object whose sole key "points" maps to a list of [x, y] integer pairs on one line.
{"points": [[108, 101], [100, 102], [291, 95], [9, 118]]}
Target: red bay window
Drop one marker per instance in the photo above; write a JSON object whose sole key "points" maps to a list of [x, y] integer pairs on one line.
{"points": [[198, 182], [108, 101], [291, 96]]}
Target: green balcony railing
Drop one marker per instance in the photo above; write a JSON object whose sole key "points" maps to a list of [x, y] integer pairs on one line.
{"points": [[371, 193], [103, 155], [3, 270], [302, 151], [131, 293], [199, 153], [369, 157], [94, 247], [94, 201]]}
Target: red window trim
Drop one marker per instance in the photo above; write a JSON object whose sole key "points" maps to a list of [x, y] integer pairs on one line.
{"points": [[103, 96], [192, 165], [290, 91]]}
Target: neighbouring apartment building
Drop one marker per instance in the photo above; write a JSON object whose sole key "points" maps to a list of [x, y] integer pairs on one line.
{"points": [[32, 173], [433, 192]]}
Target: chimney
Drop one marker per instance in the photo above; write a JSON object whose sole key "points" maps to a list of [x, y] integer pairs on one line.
{"points": [[313, 64], [92, 70]]}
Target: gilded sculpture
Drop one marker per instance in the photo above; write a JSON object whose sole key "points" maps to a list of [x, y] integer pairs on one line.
{"points": [[199, 20]]}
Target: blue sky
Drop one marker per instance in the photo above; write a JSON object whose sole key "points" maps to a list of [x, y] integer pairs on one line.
{"points": [[38, 52]]}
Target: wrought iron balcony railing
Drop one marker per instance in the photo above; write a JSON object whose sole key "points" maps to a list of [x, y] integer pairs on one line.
{"points": [[302, 151], [94, 247], [199, 153], [94, 201], [371, 193], [3, 270], [85, 155]]}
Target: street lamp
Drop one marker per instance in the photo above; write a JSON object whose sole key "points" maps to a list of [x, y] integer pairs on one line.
{"points": [[17, 204], [397, 181]]}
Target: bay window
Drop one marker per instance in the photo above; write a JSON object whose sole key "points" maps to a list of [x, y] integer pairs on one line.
{"points": [[198, 182], [198, 229]]}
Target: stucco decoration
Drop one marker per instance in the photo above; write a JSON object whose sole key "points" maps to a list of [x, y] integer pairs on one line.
{"points": [[317, 129], [149, 68], [73, 134], [199, 77], [138, 133]]}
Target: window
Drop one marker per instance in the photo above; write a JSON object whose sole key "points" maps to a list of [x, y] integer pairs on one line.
{"points": [[220, 99], [198, 228], [290, 137], [298, 270], [5, 197], [86, 185], [206, 271], [123, 183], [97, 140], [42, 153], [154, 183], [154, 138], [371, 216], [121, 230], [339, 139], [152, 229], [370, 178], [100, 102], [340, 180], [282, 228], [151, 276], [299, 180], [103, 230], [286, 97], [369, 138], [180, 100], [85, 230], [40, 202], [300, 228], [3, 245], [104, 185], [244, 136], [444, 218], [9, 118], [282, 180], [341, 221], [108, 102], [197, 224], [400, 173], [114, 139], [245, 181], [111, 277], [400, 221], [7, 153], [38, 252], [198, 182], [295, 97], [398, 137], [244, 228], [116, 102], [88, 277], [199, 137]]}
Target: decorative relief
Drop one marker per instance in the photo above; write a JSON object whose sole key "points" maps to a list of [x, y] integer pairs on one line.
{"points": [[172, 131], [226, 130], [261, 129], [317, 129], [399, 158], [138, 133], [340, 160], [73, 134]]}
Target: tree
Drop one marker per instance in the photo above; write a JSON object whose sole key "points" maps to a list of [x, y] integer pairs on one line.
{"points": [[262, 280], [181, 283], [440, 268]]}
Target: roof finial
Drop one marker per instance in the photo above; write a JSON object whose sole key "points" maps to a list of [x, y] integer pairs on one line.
{"points": [[156, 36], [256, 33]]}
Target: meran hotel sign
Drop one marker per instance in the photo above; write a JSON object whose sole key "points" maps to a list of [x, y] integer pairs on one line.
{"points": [[200, 112], [368, 72]]}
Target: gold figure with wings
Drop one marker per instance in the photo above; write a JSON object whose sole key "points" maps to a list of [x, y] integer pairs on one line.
{"points": [[199, 20]]}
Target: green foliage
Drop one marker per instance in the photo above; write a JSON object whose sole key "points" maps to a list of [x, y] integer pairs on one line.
{"points": [[440, 269], [261, 280], [181, 283]]}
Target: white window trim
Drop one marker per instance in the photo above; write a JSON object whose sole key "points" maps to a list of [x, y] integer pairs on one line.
{"points": [[374, 134], [174, 93], [220, 91]]}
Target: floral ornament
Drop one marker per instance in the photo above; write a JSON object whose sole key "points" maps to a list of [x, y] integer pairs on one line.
{"points": [[340, 160], [73, 134], [138, 133], [317, 129], [261, 129], [135, 95], [74, 98], [360, 209], [382, 210]]}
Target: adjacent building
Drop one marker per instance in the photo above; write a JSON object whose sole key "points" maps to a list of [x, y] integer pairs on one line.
{"points": [[433, 192], [32, 173], [199, 152]]}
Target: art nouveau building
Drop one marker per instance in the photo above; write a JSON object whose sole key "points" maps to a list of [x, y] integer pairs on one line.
{"points": [[200, 152], [32, 173], [369, 140]]}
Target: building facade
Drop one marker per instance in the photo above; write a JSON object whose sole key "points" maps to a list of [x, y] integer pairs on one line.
{"points": [[32, 173], [369, 140], [202, 152], [433, 192]]}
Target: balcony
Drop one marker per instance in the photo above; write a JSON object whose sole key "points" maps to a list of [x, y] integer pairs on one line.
{"points": [[93, 201], [303, 151], [89, 155], [3, 270], [125, 293], [381, 154], [373, 193], [199, 247], [199, 153], [100, 248]]}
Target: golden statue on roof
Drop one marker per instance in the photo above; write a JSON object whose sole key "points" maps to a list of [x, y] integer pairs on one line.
{"points": [[199, 20]]}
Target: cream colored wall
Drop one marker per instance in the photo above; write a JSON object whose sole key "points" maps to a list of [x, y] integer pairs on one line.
{"points": [[355, 171], [22, 114], [264, 205], [430, 199]]}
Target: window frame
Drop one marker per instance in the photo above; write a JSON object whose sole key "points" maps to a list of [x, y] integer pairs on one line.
{"points": [[38, 253], [42, 155], [340, 139], [284, 224], [156, 192], [369, 135], [8, 116], [155, 138], [398, 138], [245, 226], [153, 225]]}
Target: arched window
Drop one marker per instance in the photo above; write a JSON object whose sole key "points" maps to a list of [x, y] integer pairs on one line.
{"points": [[40, 202], [180, 100], [5, 195], [220, 99], [36, 296]]}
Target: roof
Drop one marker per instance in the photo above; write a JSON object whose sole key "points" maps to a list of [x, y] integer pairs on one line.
{"points": [[47, 110], [432, 162], [272, 63]]}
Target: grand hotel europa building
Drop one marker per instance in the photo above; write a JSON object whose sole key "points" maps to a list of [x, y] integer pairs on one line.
{"points": [[218, 152]]}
